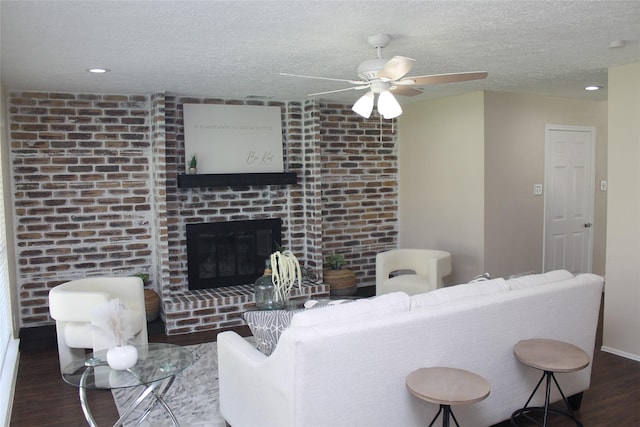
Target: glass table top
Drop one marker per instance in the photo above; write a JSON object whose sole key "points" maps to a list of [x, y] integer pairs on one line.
{"points": [[156, 362]]}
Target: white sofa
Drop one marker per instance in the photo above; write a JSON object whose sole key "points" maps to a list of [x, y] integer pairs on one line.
{"points": [[346, 365]]}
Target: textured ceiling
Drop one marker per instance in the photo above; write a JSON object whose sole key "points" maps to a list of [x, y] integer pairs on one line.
{"points": [[235, 49]]}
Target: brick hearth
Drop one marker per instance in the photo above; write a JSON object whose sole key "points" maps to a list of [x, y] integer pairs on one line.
{"points": [[220, 308]]}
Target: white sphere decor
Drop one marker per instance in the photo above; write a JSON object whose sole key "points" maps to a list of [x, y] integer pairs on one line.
{"points": [[122, 357]]}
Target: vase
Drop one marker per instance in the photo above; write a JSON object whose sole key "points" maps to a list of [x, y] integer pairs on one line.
{"points": [[122, 357], [193, 171], [267, 297]]}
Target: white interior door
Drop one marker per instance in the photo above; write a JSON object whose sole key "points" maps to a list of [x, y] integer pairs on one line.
{"points": [[569, 172]]}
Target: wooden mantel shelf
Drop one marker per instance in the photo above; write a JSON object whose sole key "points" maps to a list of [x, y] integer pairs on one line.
{"points": [[236, 179]]}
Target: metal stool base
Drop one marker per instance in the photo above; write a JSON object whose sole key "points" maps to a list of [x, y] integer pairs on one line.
{"points": [[524, 412], [447, 414]]}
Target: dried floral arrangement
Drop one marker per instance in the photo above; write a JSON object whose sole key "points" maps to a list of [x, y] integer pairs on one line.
{"points": [[116, 321], [285, 272]]}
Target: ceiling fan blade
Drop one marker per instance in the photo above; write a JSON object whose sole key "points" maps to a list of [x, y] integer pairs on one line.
{"points": [[339, 90], [395, 68], [354, 82], [406, 91], [446, 78]]}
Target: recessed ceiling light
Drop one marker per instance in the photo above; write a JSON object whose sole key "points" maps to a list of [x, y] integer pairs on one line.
{"points": [[98, 70], [593, 87]]}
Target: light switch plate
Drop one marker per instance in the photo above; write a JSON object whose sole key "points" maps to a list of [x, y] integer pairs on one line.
{"points": [[537, 189]]}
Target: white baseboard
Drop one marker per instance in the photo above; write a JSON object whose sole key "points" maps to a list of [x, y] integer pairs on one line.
{"points": [[621, 353], [8, 378]]}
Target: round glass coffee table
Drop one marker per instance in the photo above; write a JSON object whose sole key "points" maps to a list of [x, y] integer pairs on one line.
{"points": [[155, 370]]}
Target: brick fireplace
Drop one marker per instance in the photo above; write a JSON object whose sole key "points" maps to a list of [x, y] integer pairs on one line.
{"points": [[228, 253], [96, 191]]}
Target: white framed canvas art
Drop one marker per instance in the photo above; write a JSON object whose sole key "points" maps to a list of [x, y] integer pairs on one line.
{"points": [[233, 138]]}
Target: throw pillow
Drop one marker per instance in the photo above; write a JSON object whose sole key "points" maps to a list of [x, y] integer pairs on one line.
{"points": [[267, 326]]}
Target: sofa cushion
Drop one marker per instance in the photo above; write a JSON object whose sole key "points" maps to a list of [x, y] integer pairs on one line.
{"points": [[467, 290], [395, 302], [538, 279]]}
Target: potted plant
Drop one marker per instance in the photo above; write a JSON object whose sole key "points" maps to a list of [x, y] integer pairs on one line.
{"points": [[342, 281], [151, 299], [193, 164]]}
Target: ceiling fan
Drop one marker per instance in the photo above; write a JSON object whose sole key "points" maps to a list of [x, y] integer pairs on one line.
{"points": [[386, 78]]}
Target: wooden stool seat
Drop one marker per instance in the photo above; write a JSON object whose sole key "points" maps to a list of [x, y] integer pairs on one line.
{"points": [[447, 387], [549, 356]]}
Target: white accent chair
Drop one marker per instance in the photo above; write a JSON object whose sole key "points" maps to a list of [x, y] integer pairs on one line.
{"points": [[72, 305], [413, 271]]}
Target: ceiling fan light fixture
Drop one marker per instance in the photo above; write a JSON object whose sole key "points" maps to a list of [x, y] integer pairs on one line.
{"points": [[364, 105], [388, 78], [388, 106]]}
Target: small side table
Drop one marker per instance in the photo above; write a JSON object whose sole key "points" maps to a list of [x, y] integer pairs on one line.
{"points": [[549, 356], [447, 387], [156, 368]]}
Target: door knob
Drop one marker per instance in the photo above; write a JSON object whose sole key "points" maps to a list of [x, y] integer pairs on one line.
{"points": [[587, 225]]}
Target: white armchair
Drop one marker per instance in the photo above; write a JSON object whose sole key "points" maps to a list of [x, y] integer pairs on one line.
{"points": [[72, 305], [413, 271]]}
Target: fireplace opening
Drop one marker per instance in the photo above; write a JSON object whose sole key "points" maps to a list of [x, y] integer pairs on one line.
{"points": [[230, 253]]}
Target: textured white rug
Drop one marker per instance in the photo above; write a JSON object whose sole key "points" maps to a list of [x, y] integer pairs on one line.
{"points": [[193, 397]]}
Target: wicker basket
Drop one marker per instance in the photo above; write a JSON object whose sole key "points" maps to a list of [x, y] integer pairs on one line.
{"points": [[342, 282], [151, 304]]}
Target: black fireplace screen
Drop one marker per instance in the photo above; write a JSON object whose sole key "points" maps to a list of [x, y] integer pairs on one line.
{"points": [[230, 253]]}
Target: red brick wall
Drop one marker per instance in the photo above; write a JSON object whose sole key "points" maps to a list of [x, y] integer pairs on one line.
{"points": [[81, 179], [359, 187], [96, 192]]}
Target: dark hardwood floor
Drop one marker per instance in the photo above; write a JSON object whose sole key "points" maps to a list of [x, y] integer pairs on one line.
{"points": [[43, 399]]}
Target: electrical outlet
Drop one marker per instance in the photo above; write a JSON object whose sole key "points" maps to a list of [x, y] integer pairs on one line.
{"points": [[604, 185], [537, 189]]}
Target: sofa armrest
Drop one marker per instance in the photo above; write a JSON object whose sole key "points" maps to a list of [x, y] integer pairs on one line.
{"points": [[250, 379], [74, 306], [440, 267], [238, 348]]}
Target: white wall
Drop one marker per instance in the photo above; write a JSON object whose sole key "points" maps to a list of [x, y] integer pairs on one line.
{"points": [[622, 288], [467, 166], [515, 161], [441, 180]]}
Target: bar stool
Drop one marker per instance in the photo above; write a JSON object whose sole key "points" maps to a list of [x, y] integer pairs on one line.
{"points": [[549, 356], [447, 387]]}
